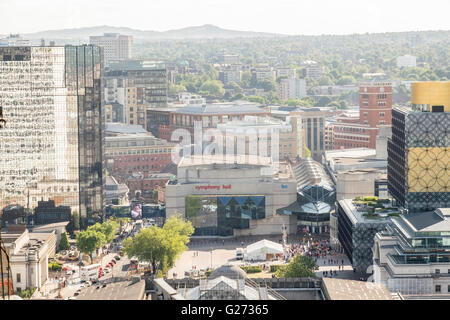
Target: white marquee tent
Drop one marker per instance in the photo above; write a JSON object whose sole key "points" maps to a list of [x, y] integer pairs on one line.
{"points": [[264, 250]]}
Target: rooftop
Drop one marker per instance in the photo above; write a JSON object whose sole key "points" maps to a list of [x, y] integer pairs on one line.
{"points": [[342, 289], [308, 172], [427, 221], [350, 153], [124, 290], [361, 212], [115, 127], [239, 160], [211, 109]]}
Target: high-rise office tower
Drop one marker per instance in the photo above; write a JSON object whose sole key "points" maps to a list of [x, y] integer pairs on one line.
{"points": [[116, 46], [52, 144], [418, 152]]}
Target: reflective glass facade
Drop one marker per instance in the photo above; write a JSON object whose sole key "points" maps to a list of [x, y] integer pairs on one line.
{"points": [[52, 146], [219, 215]]}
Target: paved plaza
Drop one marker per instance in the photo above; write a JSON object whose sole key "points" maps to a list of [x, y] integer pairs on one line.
{"points": [[206, 254]]}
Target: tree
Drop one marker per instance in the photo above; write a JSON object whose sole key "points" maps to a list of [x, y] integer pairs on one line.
{"points": [[346, 80], [256, 99], [267, 85], [292, 102], [307, 153], [212, 88], [160, 246], [299, 267], [108, 228], [90, 240], [174, 89], [64, 243]]}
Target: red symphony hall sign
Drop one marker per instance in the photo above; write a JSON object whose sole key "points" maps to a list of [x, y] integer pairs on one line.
{"points": [[209, 187]]}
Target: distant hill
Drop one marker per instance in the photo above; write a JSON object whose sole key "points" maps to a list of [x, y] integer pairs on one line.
{"points": [[199, 32]]}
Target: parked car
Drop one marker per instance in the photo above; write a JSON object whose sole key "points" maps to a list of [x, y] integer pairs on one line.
{"points": [[117, 257], [69, 272]]}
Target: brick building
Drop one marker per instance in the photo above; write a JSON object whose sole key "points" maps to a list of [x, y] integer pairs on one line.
{"points": [[375, 109], [140, 152]]}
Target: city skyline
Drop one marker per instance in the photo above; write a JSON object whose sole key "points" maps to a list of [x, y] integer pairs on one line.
{"points": [[286, 17]]}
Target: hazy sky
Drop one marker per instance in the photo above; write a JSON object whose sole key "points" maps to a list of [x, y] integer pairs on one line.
{"points": [[308, 17]]}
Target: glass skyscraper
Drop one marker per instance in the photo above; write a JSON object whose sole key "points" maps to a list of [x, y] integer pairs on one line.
{"points": [[52, 144]]}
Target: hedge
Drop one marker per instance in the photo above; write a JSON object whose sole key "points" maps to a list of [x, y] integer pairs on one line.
{"points": [[274, 268], [54, 266], [252, 269]]}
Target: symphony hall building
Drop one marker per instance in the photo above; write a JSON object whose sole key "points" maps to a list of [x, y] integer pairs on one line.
{"points": [[234, 198]]}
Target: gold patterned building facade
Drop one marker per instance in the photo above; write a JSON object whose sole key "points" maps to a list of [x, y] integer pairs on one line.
{"points": [[418, 152]]}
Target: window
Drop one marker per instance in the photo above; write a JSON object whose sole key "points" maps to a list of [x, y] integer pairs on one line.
{"points": [[438, 288], [18, 278], [381, 114], [437, 271]]}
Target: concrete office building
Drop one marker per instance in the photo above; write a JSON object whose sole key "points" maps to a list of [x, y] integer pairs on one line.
{"points": [[289, 73], [263, 72], [313, 71], [357, 226], [116, 46], [115, 113], [232, 198], [140, 84], [230, 73], [212, 114], [52, 145], [257, 128], [310, 121], [14, 40], [191, 99], [418, 152], [406, 61], [412, 256], [292, 89], [329, 135], [225, 58]]}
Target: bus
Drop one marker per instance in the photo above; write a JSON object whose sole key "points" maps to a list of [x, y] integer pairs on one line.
{"points": [[89, 272]]}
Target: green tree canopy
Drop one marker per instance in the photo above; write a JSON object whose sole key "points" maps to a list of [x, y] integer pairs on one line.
{"points": [[90, 240], [64, 243], [344, 80], [212, 88], [174, 89], [160, 246], [299, 267], [256, 99], [292, 102], [307, 152], [108, 228]]}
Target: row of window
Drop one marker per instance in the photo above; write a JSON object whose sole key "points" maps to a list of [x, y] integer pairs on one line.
{"points": [[161, 158]]}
